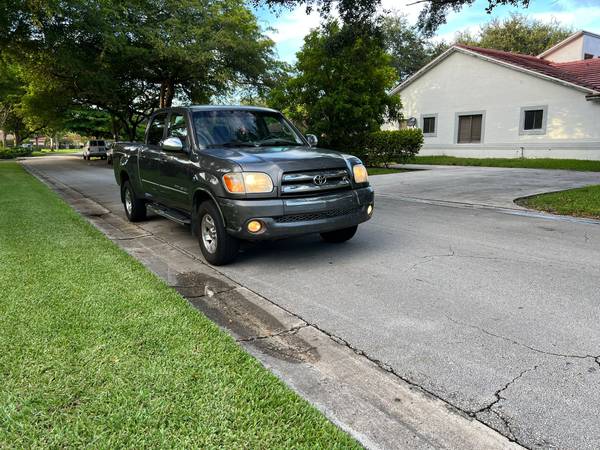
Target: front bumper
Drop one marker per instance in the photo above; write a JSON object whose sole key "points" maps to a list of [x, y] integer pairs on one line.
{"points": [[285, 217]]}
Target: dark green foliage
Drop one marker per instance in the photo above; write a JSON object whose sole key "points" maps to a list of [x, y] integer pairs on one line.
{"points": [[128, 58], [432, 15], [339, 90], [517, 34], [409, 49], [435, 12], [385, 147], [14, 152]]}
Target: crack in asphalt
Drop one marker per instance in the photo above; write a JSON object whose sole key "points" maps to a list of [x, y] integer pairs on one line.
{"points": [[513, 341], [290, 331], [498, 398]]}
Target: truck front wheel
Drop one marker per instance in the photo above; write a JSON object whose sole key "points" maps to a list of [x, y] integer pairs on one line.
{"points": [[342, 235], [217, 246], [135, 209]]}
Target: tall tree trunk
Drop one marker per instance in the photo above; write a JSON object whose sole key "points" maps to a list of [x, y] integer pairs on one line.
{"points": [[3, 139], [115, 128], [167, 93]]}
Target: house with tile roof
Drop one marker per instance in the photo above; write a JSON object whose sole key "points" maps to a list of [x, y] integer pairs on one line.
{"points": [[478, 102]]}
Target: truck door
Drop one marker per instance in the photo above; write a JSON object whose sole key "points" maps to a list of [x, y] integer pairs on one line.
{"points": [[177, 167], [151, 157]]}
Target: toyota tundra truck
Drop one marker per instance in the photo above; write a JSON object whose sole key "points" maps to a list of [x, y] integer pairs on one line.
{"points": [[240, 173]]}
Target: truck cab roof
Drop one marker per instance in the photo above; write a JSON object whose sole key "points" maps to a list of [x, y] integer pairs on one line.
{"points": [[219, 108]]}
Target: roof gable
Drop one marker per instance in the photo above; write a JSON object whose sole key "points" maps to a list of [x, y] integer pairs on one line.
{"points": [[582, 75]]}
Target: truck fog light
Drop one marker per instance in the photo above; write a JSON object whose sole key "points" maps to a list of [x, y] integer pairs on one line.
{"points": [[254, 226], [370, 209]]}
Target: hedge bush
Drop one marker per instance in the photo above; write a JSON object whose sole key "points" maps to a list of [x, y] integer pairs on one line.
{"points": [[385, 147], [14, 152]]}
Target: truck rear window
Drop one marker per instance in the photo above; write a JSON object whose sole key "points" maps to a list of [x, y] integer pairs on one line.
{"points": [[96, 143], [244, 128]]}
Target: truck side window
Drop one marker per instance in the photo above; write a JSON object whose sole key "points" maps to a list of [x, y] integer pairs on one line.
{"points": [[178, 128], [156, 129]]}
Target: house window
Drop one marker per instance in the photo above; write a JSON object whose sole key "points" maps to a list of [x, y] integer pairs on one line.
{"points": [[470, 128], [429, 124], [533, 120]]}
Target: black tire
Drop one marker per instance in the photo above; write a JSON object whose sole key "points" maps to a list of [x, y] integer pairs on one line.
{"points": [[225, 248], [338, 236], [135, 208]]}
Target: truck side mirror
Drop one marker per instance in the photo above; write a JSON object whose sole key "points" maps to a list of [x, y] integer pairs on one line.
{"points": [[172, 144], [312, 140]]}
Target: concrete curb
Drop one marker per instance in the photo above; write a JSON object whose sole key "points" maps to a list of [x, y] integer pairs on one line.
{"points": [[361, 395]]}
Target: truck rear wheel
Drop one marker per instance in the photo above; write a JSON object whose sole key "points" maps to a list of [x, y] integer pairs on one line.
{"points": [[135, 208], [217, 246], [341, 235]]}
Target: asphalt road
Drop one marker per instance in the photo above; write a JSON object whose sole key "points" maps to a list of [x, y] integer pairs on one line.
{"points": [[491, 309]]}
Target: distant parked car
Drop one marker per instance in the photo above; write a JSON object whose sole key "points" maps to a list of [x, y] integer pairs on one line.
{"points": [[94, 149]]}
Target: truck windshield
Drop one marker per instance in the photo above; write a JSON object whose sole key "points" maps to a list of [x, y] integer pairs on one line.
{"points": [[243, 128]]}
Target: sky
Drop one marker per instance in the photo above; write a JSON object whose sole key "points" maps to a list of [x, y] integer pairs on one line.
{"points": [[288, 27]]}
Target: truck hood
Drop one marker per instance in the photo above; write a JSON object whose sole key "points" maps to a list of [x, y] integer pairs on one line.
{"points": [[283, 159]]}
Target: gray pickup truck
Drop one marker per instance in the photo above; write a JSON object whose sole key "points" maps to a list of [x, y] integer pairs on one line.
{"points": [[240, 173]]}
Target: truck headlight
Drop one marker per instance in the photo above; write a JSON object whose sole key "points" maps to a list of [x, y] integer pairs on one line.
{"points": [[248, 183], [360, 173]]}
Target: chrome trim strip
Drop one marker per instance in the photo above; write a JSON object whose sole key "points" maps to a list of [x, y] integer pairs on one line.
{"points": [[163, 186]]}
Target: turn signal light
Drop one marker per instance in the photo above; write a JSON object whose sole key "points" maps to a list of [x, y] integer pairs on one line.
{"points": [[370, 209], [234, 182]]}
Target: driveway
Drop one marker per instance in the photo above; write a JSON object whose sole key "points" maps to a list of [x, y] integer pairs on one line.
{"points": [[480, 185], [497, 314]]}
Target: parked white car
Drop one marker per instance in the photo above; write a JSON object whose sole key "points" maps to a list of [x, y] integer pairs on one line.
{"points": [[95, 149]]}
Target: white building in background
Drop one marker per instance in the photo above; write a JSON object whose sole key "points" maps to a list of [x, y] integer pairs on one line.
{"points": [[478, 102]]}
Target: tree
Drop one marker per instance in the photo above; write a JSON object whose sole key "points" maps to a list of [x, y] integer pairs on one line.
{"points": [[339, 88], [128, 58], [517, 34], [433, 14], [409, 49]]}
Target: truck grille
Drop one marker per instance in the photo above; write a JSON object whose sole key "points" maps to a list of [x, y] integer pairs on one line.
{"points": [[305, 217], [311, 181]]}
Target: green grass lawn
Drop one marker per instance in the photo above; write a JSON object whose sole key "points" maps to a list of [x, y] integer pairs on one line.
{"points": [[383, 170], [98, 352], [582, 202], [539, 163]]}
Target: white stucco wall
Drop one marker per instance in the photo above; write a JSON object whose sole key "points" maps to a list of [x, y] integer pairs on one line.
{"points": [[573, 51], [463, 83]]}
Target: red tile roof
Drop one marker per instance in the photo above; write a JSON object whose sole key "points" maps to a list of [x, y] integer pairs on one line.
{"points": [[584, 73]]}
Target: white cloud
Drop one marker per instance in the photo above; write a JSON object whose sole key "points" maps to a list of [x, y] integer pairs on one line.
{"points": [[293, 26]]}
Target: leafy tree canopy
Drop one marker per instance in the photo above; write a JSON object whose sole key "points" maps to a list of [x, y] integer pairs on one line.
{"points": [[339, 89], [517, 34], [127, 58], [409, 49], [433, 14]]}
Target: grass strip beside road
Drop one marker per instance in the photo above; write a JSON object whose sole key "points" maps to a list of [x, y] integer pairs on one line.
{"points": [[581, 202], [98, 352], [525, 163]]}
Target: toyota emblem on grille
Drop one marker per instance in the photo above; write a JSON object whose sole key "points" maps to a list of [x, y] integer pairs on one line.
{"points": [[320, 180]]}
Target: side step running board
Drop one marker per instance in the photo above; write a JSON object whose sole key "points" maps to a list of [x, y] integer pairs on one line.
{"points": [[170, 214]]}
